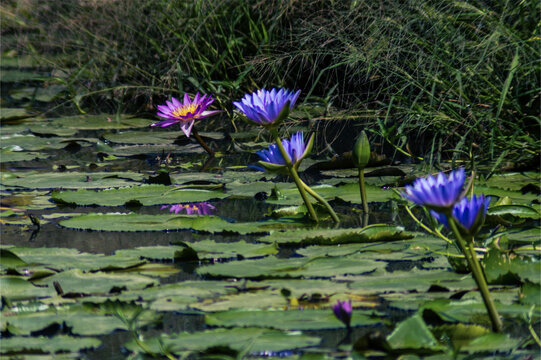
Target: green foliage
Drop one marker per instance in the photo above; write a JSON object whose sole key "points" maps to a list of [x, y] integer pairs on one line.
{"points": [[439, 77]]}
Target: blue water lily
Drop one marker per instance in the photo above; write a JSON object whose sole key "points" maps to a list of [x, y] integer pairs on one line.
{"points": [[438, 192], [267, 107], [295, 148], [468, 213], [343, 312]]}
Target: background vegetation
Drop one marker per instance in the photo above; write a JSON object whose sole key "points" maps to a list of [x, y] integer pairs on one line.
{"points": [[433, 80]]}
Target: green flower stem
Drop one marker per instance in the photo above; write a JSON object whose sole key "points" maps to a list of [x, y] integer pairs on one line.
{"points": [[363, 190], [294, 175], [322, 201], [478, 276]]}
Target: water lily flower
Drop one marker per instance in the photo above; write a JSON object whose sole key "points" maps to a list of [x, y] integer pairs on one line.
{"points": [[200, 208], [439, 192], [342, 310], [185, 112], [296, 150], [468, 213], [267, 108]]}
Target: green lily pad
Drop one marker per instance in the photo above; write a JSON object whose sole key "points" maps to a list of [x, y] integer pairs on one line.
{"points": [[205, 249], [19, 142], [492, 342], [46, 344], [63, 259], [413, 280], [100, 122], [144, 137], [27, 200], [372, 233], [347, 192], [270, 267], [70, 180], [413, 333], [145, 194], [501, 268], [512, 181], [239, 339], [516, 210], [516, 196], [136, 222], [474, 310], [16, 288], [12, 156], [44, 94], [7, 114], [75, 281], [308, 319]]}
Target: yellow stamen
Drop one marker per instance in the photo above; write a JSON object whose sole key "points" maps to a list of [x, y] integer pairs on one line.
{"points": [[183, 110]]}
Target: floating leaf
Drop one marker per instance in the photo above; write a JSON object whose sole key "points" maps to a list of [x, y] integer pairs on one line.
{"points": [[46, 344], [372, 233], [240, 339], [413, 333], [144, 194], [100, 122], [516, 210], [270, 267], [308, 319], [70, 180]]}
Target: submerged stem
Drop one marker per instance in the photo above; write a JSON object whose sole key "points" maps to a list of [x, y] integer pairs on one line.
{"points": [[478, 275]]}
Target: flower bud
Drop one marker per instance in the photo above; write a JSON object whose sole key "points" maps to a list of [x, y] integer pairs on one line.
{"points": [[361, 151]]}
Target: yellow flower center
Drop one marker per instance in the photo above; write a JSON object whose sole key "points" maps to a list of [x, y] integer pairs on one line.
{"points": [[183, 110]]}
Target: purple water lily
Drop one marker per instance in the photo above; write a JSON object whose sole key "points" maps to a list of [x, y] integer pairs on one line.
{"points": [[200, 208], [343, 312], [185, 112], [295, 148], [264, 107], [468, 213], [437, 192]]}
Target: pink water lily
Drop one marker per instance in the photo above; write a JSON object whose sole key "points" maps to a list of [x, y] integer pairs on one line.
{"points": [[185, 112]]}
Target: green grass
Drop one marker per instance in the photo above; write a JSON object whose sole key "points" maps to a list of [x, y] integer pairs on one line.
{"points": [[433, 79]]}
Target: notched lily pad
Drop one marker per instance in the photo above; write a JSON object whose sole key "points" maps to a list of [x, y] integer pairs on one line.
{"points": [[239, 339], [308, 319], [70, 180], [144, 194], [372, 233]]}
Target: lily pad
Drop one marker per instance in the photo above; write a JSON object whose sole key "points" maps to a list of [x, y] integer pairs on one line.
{"points": [[44, 94], [372, 233], [34, 143], [205, 249], [143, 137], [70, 180], [144, 194], [46, 344], [100, 122], [75, 281], [137, 222], [270, 267], [413, 333], [239, 339], [12, 156], [16, 288], [308, 319], [63, 259]]}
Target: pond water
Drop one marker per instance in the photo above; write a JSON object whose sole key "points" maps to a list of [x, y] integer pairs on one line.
{"points": [[94, 267]]}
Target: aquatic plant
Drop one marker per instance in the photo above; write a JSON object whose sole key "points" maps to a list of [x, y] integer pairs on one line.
{"points": [[185, 113], [270, 108], [343, 312], [468, 213], [267, 108], [443, 196], [439, 193], [361, 155], [296, 150], [199, 208]]}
